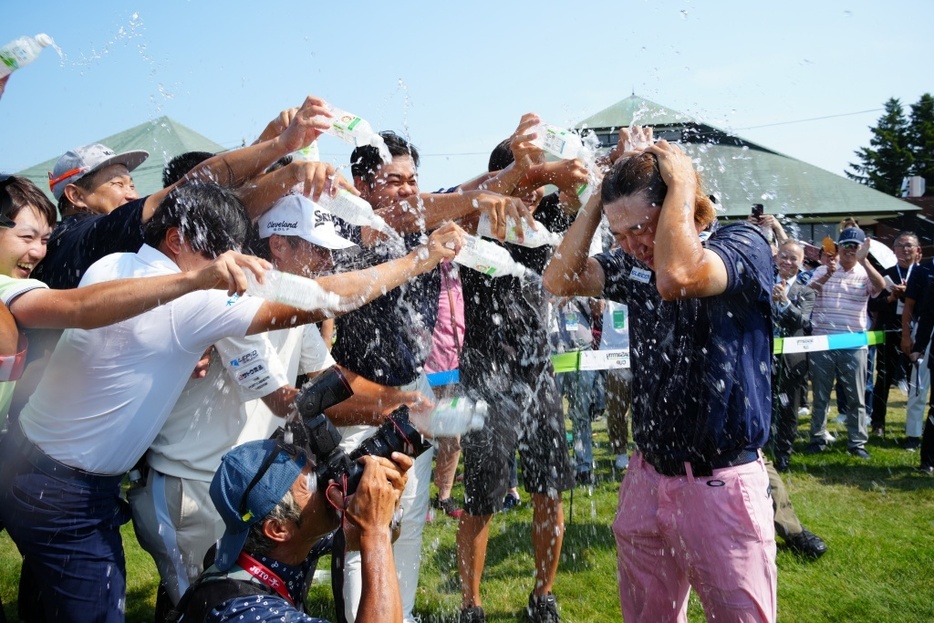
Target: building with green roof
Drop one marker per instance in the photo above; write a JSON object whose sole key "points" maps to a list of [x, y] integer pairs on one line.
{"points": [[740, 173], [163, 138]]}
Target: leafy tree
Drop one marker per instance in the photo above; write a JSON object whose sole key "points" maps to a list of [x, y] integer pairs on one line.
{"points": [[888, 159], [921, 139]]}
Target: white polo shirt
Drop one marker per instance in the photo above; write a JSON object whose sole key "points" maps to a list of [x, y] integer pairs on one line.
{"points": [[107, 392], [302, 351], [209, 415], [225, 408]]}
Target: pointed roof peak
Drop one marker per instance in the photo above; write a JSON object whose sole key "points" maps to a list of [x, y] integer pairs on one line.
{"points": [[635, 109]]}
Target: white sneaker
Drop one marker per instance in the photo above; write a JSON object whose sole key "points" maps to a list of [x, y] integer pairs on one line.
{"points": [[804, 411], [622, 461], [828, 436]]}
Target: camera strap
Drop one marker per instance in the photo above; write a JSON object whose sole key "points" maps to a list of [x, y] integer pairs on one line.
{"points": [[265, 575]]}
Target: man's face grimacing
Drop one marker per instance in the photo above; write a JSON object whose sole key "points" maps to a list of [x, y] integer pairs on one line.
{"points": [[633, 220], [789, 260], [392, 182], [293, 254]]}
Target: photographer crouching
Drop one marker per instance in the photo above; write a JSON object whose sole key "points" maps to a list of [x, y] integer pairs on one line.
{"points": [[281, 500], [274, 512]]}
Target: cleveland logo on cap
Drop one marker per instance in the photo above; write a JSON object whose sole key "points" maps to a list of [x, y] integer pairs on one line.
{"points": [[282, 225]]}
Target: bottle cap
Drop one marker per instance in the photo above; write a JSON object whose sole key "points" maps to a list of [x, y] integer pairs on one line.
{"points": [[44, 40]]}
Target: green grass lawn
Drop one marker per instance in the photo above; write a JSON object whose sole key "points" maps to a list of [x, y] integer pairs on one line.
{"points": [[877, 518]]}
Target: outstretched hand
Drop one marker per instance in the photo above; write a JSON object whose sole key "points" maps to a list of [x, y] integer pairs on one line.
{"points": [[227, 271], [443, 244], [310, 120]]}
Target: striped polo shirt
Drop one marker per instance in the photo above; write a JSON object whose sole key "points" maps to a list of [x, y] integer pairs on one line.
{"points": [[841, 303]]}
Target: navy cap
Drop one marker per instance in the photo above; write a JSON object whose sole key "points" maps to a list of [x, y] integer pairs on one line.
{"points": [[852, 234], [238, 469]]}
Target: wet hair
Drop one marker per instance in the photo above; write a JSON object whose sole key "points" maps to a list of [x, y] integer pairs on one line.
{"points": [[365, 161], [501, 156], [211, 218], [639, 174], [181, 164], [21, 193]]}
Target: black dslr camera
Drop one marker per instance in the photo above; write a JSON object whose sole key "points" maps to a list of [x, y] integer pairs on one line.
{"points": [[320, 436]]}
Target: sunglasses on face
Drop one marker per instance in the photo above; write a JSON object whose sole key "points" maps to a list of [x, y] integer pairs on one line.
{"points": [[293, 451], [849, 245]]}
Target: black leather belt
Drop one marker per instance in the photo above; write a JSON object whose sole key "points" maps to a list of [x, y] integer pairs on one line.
{"points": [[667, 466], [43, 462]]}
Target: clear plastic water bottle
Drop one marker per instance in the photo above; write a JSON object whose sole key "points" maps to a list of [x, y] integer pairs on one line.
{"points": [[455, 416], [567, 145], [307, 154], [22, 51], [293, 290], [533, 237], [558, 142], [488, 258], [355, 210], [355, 130]]}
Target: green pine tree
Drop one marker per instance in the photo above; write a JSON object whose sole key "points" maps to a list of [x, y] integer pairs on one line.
{"points": [[888, 159], [921, 139]]}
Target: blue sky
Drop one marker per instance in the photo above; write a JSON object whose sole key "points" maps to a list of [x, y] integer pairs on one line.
{"points": [[456, 76]]}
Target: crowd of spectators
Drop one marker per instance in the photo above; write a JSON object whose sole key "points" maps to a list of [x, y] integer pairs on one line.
{"points": [[133, 351]]}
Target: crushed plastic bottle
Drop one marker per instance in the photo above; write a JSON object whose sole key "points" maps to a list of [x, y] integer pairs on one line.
{"points": [[532, 237], [567, 145], [22, 51], [488, 258], [307, 154], [354, 130], [558, 142], [355, 210], [293, 290], [453, 416]]}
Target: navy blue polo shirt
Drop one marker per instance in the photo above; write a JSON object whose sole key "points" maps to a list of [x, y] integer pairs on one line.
{"points": [[81, 239], [506, 318], [701, 367], [918, 282], [388, 339]]}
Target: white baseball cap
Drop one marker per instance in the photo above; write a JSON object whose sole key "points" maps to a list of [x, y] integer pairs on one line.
{"points": [[86, 159], [296, 215]]}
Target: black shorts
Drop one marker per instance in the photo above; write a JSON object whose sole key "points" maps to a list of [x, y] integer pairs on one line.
{"points": [[525, 413]]}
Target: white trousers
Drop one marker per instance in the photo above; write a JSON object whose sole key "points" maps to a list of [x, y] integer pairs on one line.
{"points": [[407, 550]]}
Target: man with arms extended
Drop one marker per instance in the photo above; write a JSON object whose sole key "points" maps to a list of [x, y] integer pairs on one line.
{"points": [[388, 340], [107, 392], [694, 506]]}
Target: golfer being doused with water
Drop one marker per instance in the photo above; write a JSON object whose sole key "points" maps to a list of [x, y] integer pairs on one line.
{"points": [[694, 506]]}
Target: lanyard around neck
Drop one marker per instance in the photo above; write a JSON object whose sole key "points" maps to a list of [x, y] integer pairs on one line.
{"points": [[262, 573]]}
